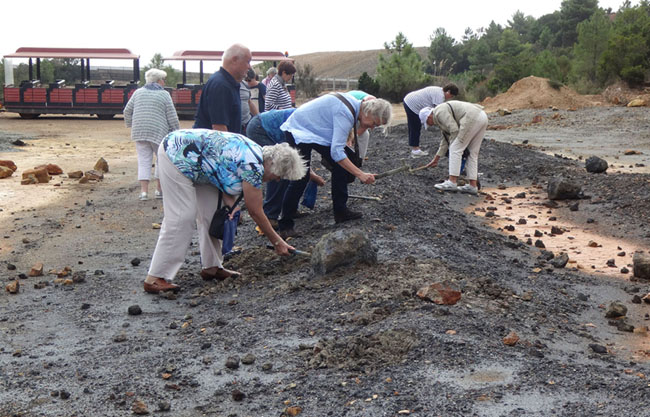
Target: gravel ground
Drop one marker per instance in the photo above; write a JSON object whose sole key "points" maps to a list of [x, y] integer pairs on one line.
{"points": [[355, 342]]}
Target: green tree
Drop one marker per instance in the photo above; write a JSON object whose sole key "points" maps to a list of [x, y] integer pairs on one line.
{"points": [[572, 12], [400, 71], [523, 25], [546, 66], [157, 61], [515, 61], [443, 54], [593, 36], [307, 82], [368, 84]]}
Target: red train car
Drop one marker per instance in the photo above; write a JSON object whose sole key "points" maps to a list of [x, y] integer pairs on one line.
{"points": [[31, 98], [186, 96]]}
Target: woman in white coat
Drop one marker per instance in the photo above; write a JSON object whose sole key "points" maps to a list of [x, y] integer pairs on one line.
{"points": [[463, 126]]}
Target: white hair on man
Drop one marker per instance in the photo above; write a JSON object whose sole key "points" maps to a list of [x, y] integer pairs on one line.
{"points": [[236, 51], [154, 75], [286, 162]]}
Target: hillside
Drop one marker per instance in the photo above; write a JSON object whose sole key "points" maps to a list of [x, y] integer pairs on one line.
{"points": [[345, 64]]}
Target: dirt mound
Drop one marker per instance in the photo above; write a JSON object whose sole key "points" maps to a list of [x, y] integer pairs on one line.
{"points": [[536, 93], [620, 93]]}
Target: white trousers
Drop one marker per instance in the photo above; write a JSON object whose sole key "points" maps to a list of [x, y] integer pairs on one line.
{"points": [[145, 151], [184, 205], [472, 141]]}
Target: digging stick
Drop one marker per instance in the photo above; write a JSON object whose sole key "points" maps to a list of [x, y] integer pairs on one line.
{"points": [[363, 197], [392, 172]]}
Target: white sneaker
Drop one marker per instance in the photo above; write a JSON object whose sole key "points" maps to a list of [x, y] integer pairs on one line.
{"points": [[468, 189], [418, 153], [158, 195], [143, 197], [447, 186]]}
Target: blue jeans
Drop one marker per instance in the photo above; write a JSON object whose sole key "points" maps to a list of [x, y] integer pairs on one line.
{"points": [[257, 133], [414, 125], [296, 188]]}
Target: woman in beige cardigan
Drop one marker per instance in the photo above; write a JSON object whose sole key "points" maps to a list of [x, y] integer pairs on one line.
{"points": [[463, 126]]}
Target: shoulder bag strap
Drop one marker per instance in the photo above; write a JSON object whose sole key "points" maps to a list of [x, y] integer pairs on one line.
{"points": [[354, 115]]}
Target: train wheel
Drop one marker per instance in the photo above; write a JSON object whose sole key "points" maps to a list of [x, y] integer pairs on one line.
{"points": [[105, 116], [29, 115]]}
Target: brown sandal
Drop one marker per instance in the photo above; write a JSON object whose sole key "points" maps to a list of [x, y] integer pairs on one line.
{"points": [[159, 285]]}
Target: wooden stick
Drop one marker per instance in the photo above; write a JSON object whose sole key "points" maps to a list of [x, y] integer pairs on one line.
{"points": [[363, 197], [418, 168], [393, 171]]}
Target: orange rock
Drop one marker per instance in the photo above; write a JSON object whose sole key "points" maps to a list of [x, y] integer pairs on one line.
{"points": [[94, 175], [5, 172], [293, 410], [31, 179], [37, 270], [439, 293], [75, 174], [537, 119], [52, 169], [511, 339], [101, 165], [41, 174], [8, 164], [13, 287]]}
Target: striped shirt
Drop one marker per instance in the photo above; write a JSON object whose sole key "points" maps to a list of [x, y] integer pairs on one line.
{"points": [[277, 96], [426, 97], [150, 114]]}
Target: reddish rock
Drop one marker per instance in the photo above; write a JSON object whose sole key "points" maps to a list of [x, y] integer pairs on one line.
{"points": [[139, 408], [511, 339], [439, 293], [5, 172], [13, 287], [52, 169], [94, 175], [75, 174], [9, 164], [537, 119], [41, 174], [37, 270], [29, 180]]}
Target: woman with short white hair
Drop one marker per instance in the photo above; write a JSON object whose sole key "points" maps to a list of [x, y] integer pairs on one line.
{"points": [[197, 167], [151, 115]]}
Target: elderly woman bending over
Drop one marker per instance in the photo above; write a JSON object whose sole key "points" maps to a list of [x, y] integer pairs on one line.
{"points": [[463, 126], [195, 166], [323, 125], [151, 115]]}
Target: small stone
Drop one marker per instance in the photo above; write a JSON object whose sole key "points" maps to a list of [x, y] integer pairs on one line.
{"points": [[139, 408], [510, 228], [511, 339], [616, 309], [611, 263], [85, 306], [101, 165], [119, 338], [135, 261], [75, 174], [556, 230], [598, 348], [593, 244], [522, 221], [538, 233], [574, 206], [624, 270], [232, 362], [636, 299], [11, 267], [560, 261], [520, 195], [37, 270], [620, 254], [135, 310], [41, 174], [207, 345], [267, 367], [539, 244], [64, 394], [13, 287], [625, 327], [164, 406], [248, 359], [590, 220], [489, 214], [237, 395]]}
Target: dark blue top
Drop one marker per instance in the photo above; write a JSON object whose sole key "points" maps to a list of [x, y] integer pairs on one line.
{"points": [[260, 98], [219, 103]]}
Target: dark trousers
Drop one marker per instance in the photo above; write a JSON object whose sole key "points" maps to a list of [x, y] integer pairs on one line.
{"points": [[414, 126], [296, 188]]}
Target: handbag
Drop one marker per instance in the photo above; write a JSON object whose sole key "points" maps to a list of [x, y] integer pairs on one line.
{"points": [[220, 217]]}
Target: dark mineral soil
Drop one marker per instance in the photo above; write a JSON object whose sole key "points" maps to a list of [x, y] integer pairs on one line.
{"points": [[280, 340]]}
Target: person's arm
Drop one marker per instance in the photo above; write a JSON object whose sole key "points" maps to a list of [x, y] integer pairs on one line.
{"points": [[222, 128], [128, 112], [254, 200], [364, 177], [253, 108], [342, 126], [172, 116]]}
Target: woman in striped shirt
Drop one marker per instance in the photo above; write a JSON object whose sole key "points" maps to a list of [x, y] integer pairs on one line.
{"points": [[277, 95]]}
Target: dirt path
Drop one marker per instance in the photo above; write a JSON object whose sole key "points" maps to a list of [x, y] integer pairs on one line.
{"points": [[356, 342]]}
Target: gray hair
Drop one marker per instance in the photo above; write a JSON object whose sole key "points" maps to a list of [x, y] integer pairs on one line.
{"points": [[272, 71], [286, 162], [378, 109], [154, 75], [236, 51]]}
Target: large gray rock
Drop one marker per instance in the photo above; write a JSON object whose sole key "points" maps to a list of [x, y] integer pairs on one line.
{"points": [[561, 260], [342, 247], [641, 261], [560, 188], [596, 165]]}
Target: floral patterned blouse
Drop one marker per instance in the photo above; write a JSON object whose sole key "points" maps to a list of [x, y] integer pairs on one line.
{"points": [[222, 159]]}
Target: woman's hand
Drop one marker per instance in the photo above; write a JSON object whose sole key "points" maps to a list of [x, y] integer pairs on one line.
{"points": [[282, 248], [320, 181], [434, 162], [366, 178]]}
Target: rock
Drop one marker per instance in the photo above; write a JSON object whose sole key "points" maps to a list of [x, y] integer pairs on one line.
{"points": [[267, 367], [636, 299], [489, 214], [237, 395], [5, 172], [537, 119], [624, 327], [624, 270], [538, 233], [593, 244], [37, 270], [119, 338], [135, 261], [637, 102], [139, 408], [442, 293], [539, 244], [232, 362], [616, 309], [75, 174], [561, 260], [293, 411], [560, 188], [520, 195], [164, 406], [504, 112], [556, 230], [510, 228], [632, 152], [641, 265], [511, 339], [8, 164], [134, 310], [598, 348], [546, 255], [574, 207], [11, 267], [522, 221], [13, 287], [40, 174], [101, 165], [248, 359], [342, 247], [18, 142], [93, 175], [621, 254], [52, 169], [611, 263], [64, 394], [596, 165]]}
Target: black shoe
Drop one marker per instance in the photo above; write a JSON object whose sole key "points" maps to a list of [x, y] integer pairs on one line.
{"points": [[287, 233], [345, 215]]}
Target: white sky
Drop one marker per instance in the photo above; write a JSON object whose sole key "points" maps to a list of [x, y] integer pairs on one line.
{"points": [[299, 27]]}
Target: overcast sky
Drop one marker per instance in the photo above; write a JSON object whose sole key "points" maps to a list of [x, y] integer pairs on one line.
{"points": [[299, 27]]}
